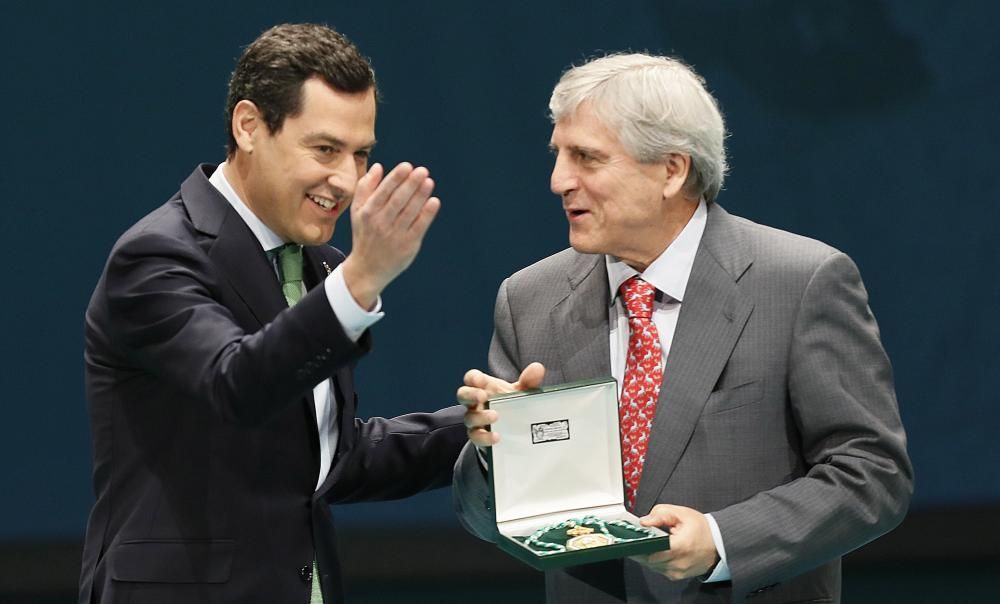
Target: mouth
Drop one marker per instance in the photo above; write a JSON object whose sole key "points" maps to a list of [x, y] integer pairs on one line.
{"points": [[327, 204], [573, 214]]}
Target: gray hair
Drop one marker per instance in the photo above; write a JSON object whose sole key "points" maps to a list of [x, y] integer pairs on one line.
{"points": [[657, 106]]}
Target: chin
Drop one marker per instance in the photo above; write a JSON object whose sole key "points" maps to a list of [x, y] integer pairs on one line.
{"points": [[584, 246], [313, 238]]}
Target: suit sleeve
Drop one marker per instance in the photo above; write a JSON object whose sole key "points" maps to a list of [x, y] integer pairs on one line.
{"points": [[859, 479], [470, 491], [163, 313], [398, 457]]}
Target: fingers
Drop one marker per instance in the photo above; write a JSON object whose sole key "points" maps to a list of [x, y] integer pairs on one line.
{"points": [[425, 217], [662, 515], [660, 558], [477, 379], [383, 190], [409, 207], [409, 198], [403, 201], [367, 185], [657, 562], [389, 219], [692, 550], [471, 396], [474, 395], [664, 564], [477, 423], [531, 377], [476, 391], [481, 437], [477, 417], [402, 195]]}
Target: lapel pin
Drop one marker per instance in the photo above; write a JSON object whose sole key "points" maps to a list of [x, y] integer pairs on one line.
{"points": [[327, 267]]}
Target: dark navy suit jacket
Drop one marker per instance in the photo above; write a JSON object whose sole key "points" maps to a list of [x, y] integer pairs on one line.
{"points": [[206, 451]]}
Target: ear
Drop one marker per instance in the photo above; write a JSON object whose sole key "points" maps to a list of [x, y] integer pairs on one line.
{"points": [[678, 166], [247, 125]]}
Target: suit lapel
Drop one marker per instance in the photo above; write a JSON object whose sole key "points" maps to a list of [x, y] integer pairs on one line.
{"points": [[712, 317], [246, 266], [317, 267], [243, 262], [580, 322], [235, 250]]}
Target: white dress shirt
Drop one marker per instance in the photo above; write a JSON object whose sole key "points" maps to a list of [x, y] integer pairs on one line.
{"points": [[669, 274], [354, 319]]}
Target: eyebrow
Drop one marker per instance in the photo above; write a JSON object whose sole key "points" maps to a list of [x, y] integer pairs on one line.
{"points": [[333, 141], [597, 153]]}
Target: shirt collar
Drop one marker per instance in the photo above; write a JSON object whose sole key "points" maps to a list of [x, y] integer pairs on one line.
{"points": [[670, 272], [267, 238]]}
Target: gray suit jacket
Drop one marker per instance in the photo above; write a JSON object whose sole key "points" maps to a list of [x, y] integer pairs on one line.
{"points": [[777, 413]]}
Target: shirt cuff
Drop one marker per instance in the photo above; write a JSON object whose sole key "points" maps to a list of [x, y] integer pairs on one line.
{"points": [[721, 572], [354, 319]]}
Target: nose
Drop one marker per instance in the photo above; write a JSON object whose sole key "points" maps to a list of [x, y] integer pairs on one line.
{"points": [[344, 175], [563, 179]]}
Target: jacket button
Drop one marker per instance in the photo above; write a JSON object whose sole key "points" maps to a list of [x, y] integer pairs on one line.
{"points": [[306, 574]]}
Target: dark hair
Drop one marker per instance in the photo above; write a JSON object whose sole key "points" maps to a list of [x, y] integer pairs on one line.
{"points": [[272, 69]]}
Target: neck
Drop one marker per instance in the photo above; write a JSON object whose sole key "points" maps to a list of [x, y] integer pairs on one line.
{"points": [[236, 169], [676, 216]]}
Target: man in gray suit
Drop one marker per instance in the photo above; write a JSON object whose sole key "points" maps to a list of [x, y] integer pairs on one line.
{"points": [[771, 444]]}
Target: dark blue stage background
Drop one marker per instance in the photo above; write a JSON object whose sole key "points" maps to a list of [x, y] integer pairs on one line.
{"points": [[871, 125]]}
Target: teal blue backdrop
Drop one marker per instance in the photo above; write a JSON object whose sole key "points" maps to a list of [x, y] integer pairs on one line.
{"points": [[871, 125]]}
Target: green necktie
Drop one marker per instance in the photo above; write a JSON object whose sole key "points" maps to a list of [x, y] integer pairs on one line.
{"points": [[290, 272]]}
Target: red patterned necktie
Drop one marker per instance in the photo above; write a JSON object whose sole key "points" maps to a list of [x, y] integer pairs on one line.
{"points": [[643, 376]]}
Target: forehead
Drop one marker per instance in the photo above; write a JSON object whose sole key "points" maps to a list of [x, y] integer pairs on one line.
{"points": [[583, 128], [343, 115]]}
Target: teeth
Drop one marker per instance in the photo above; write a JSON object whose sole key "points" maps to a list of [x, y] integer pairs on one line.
{"points": [[326, 204]]}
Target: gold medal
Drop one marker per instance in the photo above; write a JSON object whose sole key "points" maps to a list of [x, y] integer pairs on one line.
{"points": [[579, 530], [589, 540]]}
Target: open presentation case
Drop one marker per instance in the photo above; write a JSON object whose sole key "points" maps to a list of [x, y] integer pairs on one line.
{"points": [[556, 478]]}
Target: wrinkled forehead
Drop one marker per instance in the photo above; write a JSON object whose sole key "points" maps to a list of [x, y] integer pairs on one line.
{"points": [[584, 126]]}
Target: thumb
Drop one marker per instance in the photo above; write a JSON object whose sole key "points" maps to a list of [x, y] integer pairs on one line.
{"points": [[662, 515], [531, 377]]}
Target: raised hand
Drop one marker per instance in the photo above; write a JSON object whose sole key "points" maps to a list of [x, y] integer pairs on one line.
{"points": [[389, 218]]}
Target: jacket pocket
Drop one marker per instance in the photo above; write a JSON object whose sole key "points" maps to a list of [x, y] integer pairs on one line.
{"points": [[734, 398], [172, 561]]}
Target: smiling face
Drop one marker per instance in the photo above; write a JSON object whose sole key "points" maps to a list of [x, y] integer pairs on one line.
{"points": [[300, 179], [615, 204]]}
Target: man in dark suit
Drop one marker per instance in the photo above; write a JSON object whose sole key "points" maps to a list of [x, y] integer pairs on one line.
{"points": [[220, 342], [759, 423]]}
